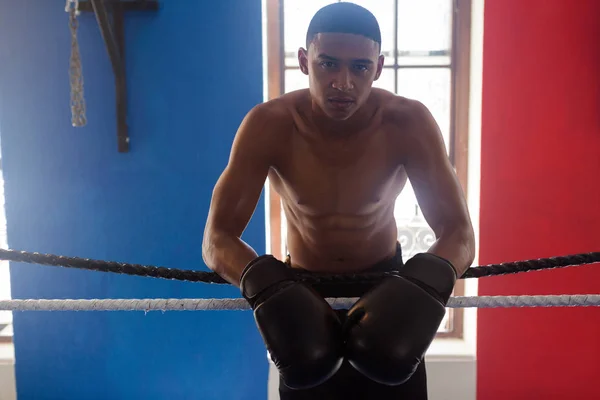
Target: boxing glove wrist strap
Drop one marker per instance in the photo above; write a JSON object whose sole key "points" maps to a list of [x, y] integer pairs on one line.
{"points": [[260, 275], [434, 272]]}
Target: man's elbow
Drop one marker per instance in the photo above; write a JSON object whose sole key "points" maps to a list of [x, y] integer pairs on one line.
{"points": [[463, 238], [211, 242], [469, 242], [457, 238]]}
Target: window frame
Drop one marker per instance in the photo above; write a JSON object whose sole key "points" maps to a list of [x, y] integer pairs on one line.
{"points": [[459, 118]]}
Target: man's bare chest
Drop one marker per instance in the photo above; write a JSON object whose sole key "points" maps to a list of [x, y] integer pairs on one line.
{"points": [[339, 177]]}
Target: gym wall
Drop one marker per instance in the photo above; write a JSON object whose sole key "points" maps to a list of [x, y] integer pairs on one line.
{"points": [[193, 70], [540, 197]]}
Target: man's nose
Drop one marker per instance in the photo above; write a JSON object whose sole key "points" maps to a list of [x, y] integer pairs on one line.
{"points": [[343, 81]]}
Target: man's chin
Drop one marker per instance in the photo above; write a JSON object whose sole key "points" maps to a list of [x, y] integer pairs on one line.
{"points": [[340, 115]]}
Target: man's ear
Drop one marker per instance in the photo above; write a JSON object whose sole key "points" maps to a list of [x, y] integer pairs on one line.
{"points": [[303, 60], [380, 61]]}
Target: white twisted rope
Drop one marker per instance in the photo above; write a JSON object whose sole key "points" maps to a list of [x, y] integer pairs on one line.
{"points": [[579, 300]]}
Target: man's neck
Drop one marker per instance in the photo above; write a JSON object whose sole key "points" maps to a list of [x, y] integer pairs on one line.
{"points": [[343, 128]]}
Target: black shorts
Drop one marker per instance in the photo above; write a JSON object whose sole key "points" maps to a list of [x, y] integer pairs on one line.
{"points": [[348, 383]]}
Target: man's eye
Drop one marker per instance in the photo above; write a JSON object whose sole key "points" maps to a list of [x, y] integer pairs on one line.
{"points": [[361, 67], [327, 64]]}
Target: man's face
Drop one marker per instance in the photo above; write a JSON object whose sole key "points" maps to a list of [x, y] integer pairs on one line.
{"points": [[341, 68]]}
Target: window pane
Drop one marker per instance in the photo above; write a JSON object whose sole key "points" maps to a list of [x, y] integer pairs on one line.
{"points": [[421, 59], [431, 86], [414, 234], [296, 17], [5, 316], [383, 10], [424, 29], [294, 80], [386, 80]]}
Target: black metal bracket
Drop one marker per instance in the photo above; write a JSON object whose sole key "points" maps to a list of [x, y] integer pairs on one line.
{"points": [[113, 34]]}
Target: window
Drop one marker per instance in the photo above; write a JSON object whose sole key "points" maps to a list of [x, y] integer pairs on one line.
{"points": [[5, 316], [426, 48]]}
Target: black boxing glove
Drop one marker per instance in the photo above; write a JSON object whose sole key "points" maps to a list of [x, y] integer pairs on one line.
{"points": [[300, 329], [391, 327]]}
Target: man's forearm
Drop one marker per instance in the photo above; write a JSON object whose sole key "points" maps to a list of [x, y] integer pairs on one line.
{"points": [[457, 245], [227, 255]]}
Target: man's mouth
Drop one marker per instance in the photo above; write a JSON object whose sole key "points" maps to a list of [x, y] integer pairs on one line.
{"points": [[341, 102]]}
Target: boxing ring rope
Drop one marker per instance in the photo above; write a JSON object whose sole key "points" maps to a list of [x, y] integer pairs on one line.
{"points": [[147, 305], [310, 277], [578, 300]]}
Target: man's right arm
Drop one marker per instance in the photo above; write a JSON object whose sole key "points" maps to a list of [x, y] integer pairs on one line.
{"points": [[304, 359], [236, 194]]}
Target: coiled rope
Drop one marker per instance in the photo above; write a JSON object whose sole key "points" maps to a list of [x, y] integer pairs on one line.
{"points": [[146, 305], [309, 277]]}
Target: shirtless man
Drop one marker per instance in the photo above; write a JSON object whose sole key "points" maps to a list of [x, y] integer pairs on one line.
{"points": [[339, 154]]}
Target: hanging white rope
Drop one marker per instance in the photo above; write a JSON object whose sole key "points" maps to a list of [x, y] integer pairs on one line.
{"points": [[78, 118], [579, 300]]}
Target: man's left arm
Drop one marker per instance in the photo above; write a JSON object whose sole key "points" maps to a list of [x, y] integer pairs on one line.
{"points": [[438, 190], [378, 344]]}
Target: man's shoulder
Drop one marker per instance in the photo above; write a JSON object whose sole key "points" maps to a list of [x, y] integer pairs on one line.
{"points": [[399, 109], [282, 107], [406, 118], [271, 111], [408, 123], [269, 125]]}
